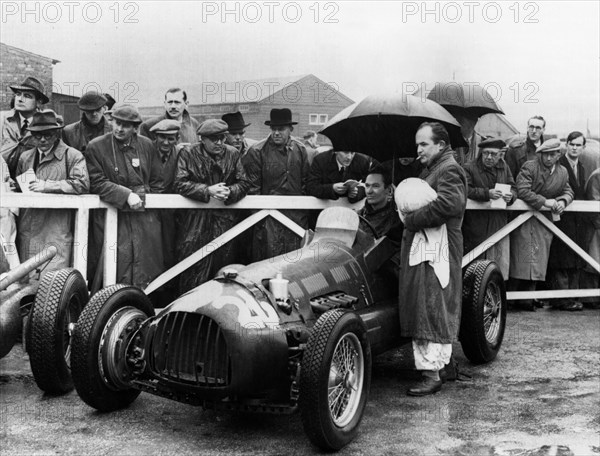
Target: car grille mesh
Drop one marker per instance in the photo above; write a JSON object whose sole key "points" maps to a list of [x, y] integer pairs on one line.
{"points": [[191, 348]]}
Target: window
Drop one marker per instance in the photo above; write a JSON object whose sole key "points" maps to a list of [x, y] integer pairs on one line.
{"points": [[244, 108], [318, 119]]}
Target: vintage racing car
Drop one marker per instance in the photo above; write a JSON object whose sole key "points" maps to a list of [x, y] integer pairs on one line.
{"points": [[298, 331]]}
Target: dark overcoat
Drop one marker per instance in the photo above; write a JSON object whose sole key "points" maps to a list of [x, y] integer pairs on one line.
{"points": [[325, 171], [573, 224], [79, 134], [113, 176], [480, 225], [196, 171], [427, 311], [277, 170]]}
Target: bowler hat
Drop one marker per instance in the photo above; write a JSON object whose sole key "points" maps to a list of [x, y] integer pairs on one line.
{"points": [[280, 117], [166, 127], [552, 145], [91, 101], [33, 85], [44, 120], [235, 121], [126, 113], [491, 143], [211, 127]]}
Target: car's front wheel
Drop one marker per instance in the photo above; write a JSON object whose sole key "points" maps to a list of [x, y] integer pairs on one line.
{"points": [[98, 363], [483, 311], [334, 379]]}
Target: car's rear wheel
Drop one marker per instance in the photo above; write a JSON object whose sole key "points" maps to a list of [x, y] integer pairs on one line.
{"points": [[100, 371], [335, 378], [483, 311], [60, 298]]}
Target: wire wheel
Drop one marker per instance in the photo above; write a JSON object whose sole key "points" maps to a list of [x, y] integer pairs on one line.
{"points": [[346, 377]]}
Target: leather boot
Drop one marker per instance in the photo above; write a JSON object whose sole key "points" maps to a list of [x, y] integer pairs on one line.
{"points": [[426, 386]]}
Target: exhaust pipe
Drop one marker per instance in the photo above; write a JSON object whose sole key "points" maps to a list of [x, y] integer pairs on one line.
{"points": [[23, 269]]}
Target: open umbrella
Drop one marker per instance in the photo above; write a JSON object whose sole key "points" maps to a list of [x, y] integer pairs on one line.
{"points": [[466, 102], [384, 126]]}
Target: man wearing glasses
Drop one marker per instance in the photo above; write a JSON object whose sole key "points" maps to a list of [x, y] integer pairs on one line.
{"points": [[92, 124], [58, 168], [210, 170], [483, 174], [29, 98], [524, 150]]}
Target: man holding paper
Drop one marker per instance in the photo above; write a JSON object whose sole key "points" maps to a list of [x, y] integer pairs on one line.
{"points": [[489, 179], [50, 167], [335, 174]]}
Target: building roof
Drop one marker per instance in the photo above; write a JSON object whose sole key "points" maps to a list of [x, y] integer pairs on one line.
{"points": [[54, 61]]}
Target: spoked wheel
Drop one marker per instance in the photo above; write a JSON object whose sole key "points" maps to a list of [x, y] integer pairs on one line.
{"points": [[335, 379], [60, 299], [101, 374], [484, 311]]}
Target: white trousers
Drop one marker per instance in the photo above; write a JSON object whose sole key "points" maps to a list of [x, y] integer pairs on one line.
{"points": [[430, 355]]}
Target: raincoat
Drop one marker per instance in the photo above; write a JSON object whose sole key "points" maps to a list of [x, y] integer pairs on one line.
{"points": [[115, 172], [277, 170], [530, 243], [427, 311], [196, 171], [64, 170], [480, 225]]}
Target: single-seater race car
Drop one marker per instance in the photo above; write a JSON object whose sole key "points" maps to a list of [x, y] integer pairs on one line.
{"points": [[298, 331]]}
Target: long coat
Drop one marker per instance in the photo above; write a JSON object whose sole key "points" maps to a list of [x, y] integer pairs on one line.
{"points": [[277, 170], [325, 171], [480, 225], [427, 311], [530, 243], [575, 225], [65, 172], [114, 176], [169, 218], [196, 171], [187, 134], [79, 134]]}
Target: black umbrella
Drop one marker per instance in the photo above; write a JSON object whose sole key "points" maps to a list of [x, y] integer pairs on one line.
{"points": [[467, 102], [384, 126]]}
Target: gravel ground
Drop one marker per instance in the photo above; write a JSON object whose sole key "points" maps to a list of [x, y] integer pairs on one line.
{"points": [[540, 397]]}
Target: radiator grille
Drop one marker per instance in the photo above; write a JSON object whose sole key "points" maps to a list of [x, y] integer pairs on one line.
{"points": [[191, 348]]}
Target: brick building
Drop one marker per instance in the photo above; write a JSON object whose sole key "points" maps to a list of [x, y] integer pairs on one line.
{"points": [[17, 64], [312, 102]]}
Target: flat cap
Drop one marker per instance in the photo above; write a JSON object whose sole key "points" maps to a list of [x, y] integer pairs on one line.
{"points": [[166, 127], [127, 113], [90, 101], [211, 127], [491, 143], [552, 145]]}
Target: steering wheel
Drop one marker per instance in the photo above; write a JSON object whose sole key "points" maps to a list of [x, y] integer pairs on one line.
{"points": [[373, 231]]}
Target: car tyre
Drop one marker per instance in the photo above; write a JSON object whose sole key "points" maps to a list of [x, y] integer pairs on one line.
{"points": [[59, 301], [99, 368], [483, 311], [335, 378]]}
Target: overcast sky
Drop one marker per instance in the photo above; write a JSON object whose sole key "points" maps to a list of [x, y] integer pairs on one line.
{"points": [[534, 57]]}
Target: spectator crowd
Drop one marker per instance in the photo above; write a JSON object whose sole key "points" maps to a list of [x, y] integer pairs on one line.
{"points": [[112, 152]]}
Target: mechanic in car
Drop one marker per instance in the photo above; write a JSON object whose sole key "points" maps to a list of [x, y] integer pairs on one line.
{"points": [[430, 304]]}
